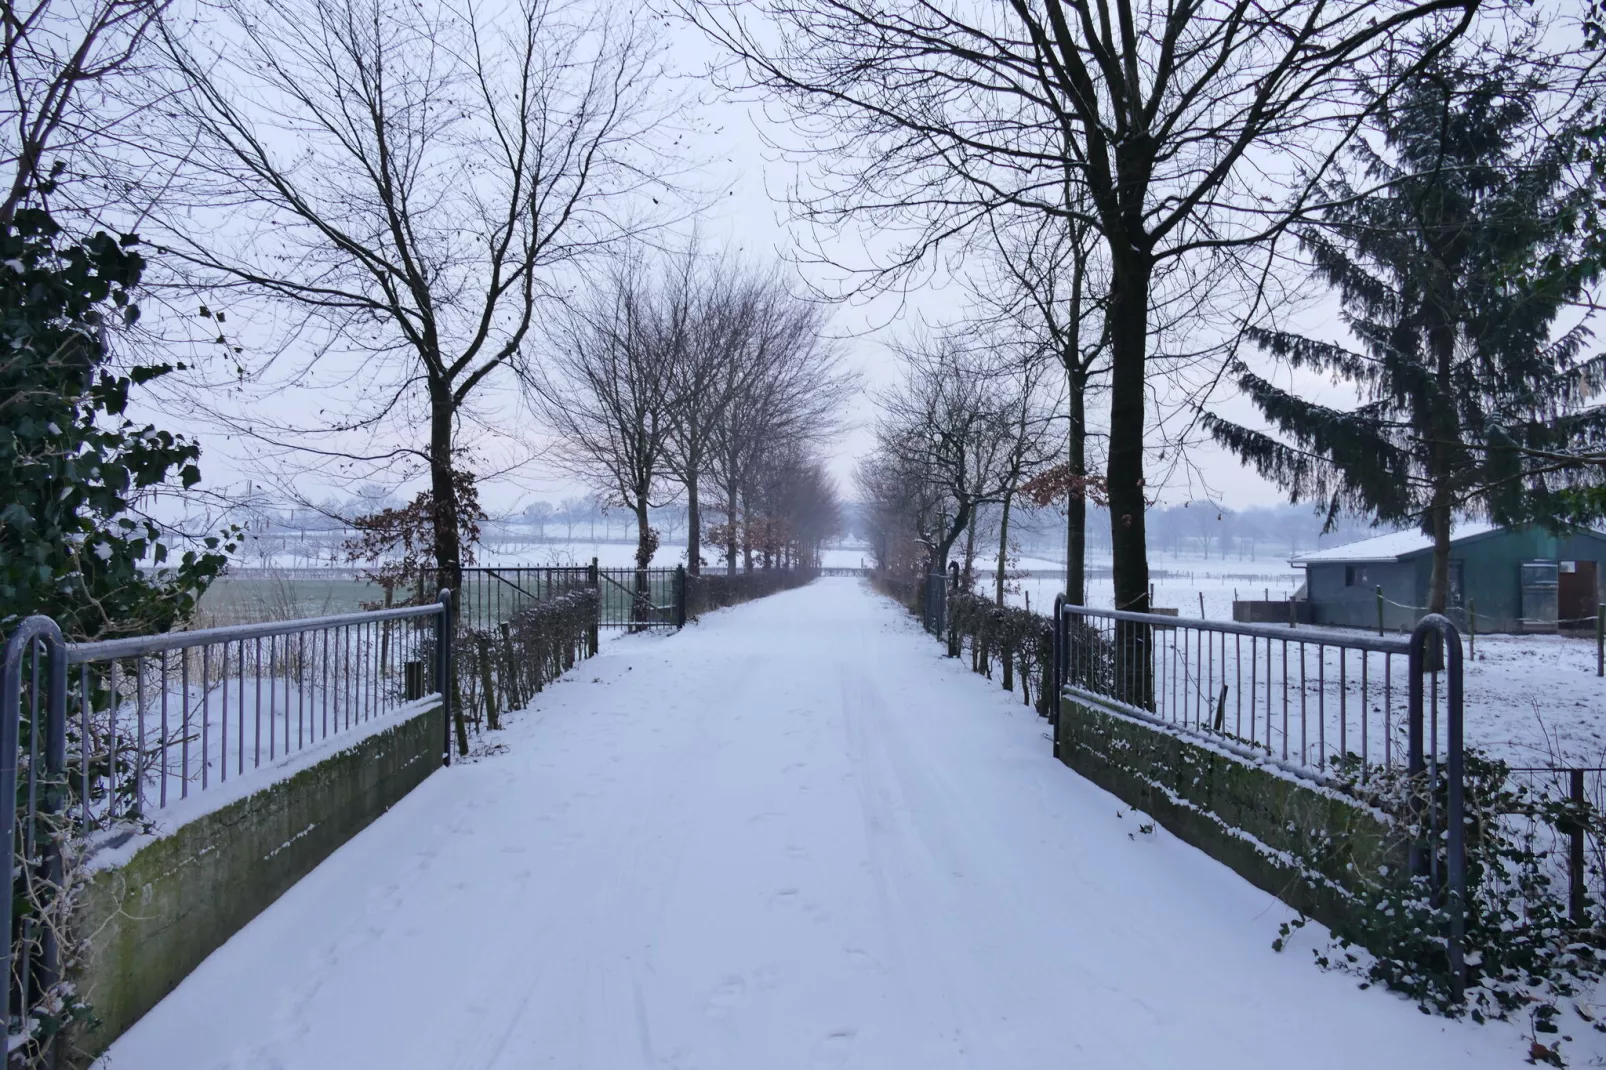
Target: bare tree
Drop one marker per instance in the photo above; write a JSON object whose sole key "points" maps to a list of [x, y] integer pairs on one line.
{"points": [[792, 394], [723, 307], [797, 509], [1027, 445], [1046, 286], [1193, 127], [59, 110], [407, 185], [608, 391], [946, 425]]}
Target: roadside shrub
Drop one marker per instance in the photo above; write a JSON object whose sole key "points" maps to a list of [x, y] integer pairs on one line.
{"points": [[502, 668], [1017, 640]]}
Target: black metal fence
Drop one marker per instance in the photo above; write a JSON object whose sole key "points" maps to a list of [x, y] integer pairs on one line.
{"points": [[97, 736], [627, 597]]}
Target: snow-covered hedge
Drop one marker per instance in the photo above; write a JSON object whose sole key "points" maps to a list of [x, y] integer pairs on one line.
{"points": [[1018, 640], [501, 668]]}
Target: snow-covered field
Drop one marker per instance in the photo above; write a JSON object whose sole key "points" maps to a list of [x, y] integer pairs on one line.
{"points": [[1178, 582], [791, 836]]}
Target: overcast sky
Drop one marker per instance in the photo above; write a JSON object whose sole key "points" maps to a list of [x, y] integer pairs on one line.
{"points": [[751, 216]]}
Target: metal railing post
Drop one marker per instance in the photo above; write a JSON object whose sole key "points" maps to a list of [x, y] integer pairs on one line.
{"points": [[32, 630], [53, 801], [443, 673], [1057, 659], [1446, 655]]}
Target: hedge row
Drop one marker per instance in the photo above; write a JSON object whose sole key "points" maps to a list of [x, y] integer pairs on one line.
{"points": [[503, 668], [715, 590], [1018, 641]]}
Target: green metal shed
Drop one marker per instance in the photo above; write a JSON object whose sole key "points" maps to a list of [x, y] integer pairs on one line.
{"points": [[1522, 579]]}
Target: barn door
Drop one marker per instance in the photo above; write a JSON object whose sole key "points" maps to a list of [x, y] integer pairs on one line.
{"points": [[1539, 595], [1576, 594]]}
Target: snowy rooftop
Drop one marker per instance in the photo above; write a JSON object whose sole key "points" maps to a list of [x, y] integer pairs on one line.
{"points": [[1390, 547]]}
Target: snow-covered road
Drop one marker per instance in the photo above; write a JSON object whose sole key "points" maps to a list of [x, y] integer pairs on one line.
{"points": [[791, 836]]}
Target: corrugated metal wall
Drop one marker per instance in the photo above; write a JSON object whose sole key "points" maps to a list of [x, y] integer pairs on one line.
{"points": [[1491, 579]]}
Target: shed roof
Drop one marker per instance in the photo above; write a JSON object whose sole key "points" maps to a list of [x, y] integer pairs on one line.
{"points": [[1391, 547]]}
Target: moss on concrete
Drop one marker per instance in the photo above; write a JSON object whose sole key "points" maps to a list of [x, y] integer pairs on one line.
{"points": [[1309, 846], [151, 921]]}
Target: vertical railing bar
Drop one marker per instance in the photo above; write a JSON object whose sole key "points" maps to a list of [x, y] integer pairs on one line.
{"points": [[1254, 673], [206, 714], [1321, 706], [1285, 700], [1388, 710], [1343, 703], [273, 705], [112, 706], [184, 720], [83, 743], [1304, 706], [256, 757], [1366, 718], [139, 745], [223, 720], [165, 762], [1238, 684]]}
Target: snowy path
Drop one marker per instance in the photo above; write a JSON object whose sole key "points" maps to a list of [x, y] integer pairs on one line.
{"points": [[791, 836]]}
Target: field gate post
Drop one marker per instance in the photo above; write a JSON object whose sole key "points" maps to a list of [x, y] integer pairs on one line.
{"points": [[594, 581], [680, 596]]}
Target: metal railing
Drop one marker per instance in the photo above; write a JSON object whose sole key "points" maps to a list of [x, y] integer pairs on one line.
{"points": [[1309, 699], [1333, 707], [106, 735]]}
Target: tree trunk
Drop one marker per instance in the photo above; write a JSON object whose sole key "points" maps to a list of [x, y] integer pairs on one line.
{"points": [[1003, 545], [1076, 503], [644, 550], [1076, 443], [970, 556], [747, 532], [950, 536], [694, 536], [448, 548], [730, 528], [1445, 433], [1128, 311]]}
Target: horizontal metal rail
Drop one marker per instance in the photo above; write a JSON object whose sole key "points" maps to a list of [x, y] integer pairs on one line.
{"points": [[135, 646], [108, 734], [1352, 640]]}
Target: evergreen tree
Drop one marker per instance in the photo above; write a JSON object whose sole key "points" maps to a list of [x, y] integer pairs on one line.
{"points": [[1451, 255], [73, 466]]}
